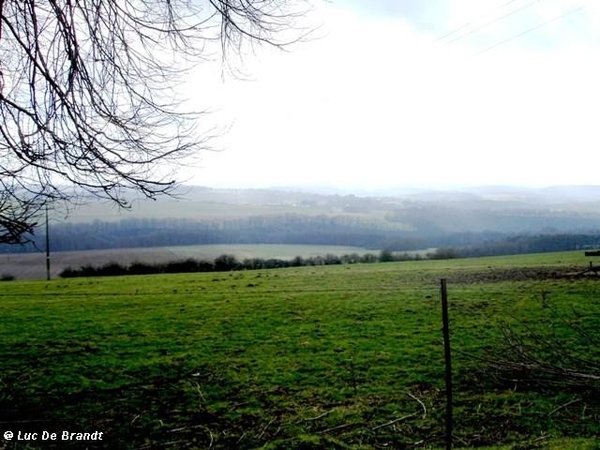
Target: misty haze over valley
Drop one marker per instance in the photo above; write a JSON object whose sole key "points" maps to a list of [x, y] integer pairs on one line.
{"points": [[477, 221]]}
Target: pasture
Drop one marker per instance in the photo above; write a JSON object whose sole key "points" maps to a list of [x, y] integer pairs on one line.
{"points": [[335, 357]]}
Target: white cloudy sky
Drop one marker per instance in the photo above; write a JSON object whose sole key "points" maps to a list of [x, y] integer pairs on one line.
{"points": [[414, 92]]}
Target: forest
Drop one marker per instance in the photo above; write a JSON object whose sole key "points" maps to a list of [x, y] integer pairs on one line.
{"points": [[472, 224]]}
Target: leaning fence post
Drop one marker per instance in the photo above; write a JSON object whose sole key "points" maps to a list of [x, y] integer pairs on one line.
{"points": [[448, 361]]}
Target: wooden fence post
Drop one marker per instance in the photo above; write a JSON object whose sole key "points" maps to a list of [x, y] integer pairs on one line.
{"points": [[47, 246], [448, 360]]}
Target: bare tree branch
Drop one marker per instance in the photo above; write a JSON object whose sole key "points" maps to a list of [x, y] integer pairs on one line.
{"points": [[87, 96]]}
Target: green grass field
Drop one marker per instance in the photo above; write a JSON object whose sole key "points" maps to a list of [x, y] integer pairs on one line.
{"points": [[335, 357]]}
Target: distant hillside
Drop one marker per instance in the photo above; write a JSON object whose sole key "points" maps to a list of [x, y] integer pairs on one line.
{"points": [[199, 215]]}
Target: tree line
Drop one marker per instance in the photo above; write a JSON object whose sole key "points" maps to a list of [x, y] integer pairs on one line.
{"points": [[227, 263], [541, 243], [303, 229]]}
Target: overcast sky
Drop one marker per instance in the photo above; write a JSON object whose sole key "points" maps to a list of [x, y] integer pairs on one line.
{"points": [[414, 92]]}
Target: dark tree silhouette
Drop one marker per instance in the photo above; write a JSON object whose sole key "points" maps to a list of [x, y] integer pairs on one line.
{"points": [[87, 98], [16, 215]]}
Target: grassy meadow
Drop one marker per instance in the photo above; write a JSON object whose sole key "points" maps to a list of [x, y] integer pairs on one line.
{"points": [[335, 357]]}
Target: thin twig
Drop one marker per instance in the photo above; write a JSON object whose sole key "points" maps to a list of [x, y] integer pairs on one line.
{"points": [[392, 422], [575, 400], [460, 439], [318, 417], [541, 438], [240, 439], [265, 428], [420, 403], [200, 392], [339, 427]]}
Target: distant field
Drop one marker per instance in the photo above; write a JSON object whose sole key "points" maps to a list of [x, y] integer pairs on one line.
{"points": [[33, 265], [215, 204], [333, 357]]}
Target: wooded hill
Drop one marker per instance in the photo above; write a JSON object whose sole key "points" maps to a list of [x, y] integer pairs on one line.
{"points": [[479, 221]]}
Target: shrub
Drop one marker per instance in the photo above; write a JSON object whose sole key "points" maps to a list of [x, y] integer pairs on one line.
{"points": [[139, 268], [443, 253], [112, 269], [386, 256], [298, 261], [204, 266], [369, 258], [332, 259], [186, 266], [68, 272], [351, 259], [225, 263], [253, 263]]}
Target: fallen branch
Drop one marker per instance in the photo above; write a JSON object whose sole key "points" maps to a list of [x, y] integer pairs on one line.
{"points": [[420, 403], [317, 417], [575, 400], [339, 427], [542, 368], [265, 428], [392, 422]]}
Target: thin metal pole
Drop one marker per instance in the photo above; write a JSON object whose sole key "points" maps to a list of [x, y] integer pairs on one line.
{"points": [[448, 360], [47, 247]]}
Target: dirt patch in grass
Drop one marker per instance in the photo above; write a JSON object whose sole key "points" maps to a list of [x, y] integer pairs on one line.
{"points": [[491, 275]]}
